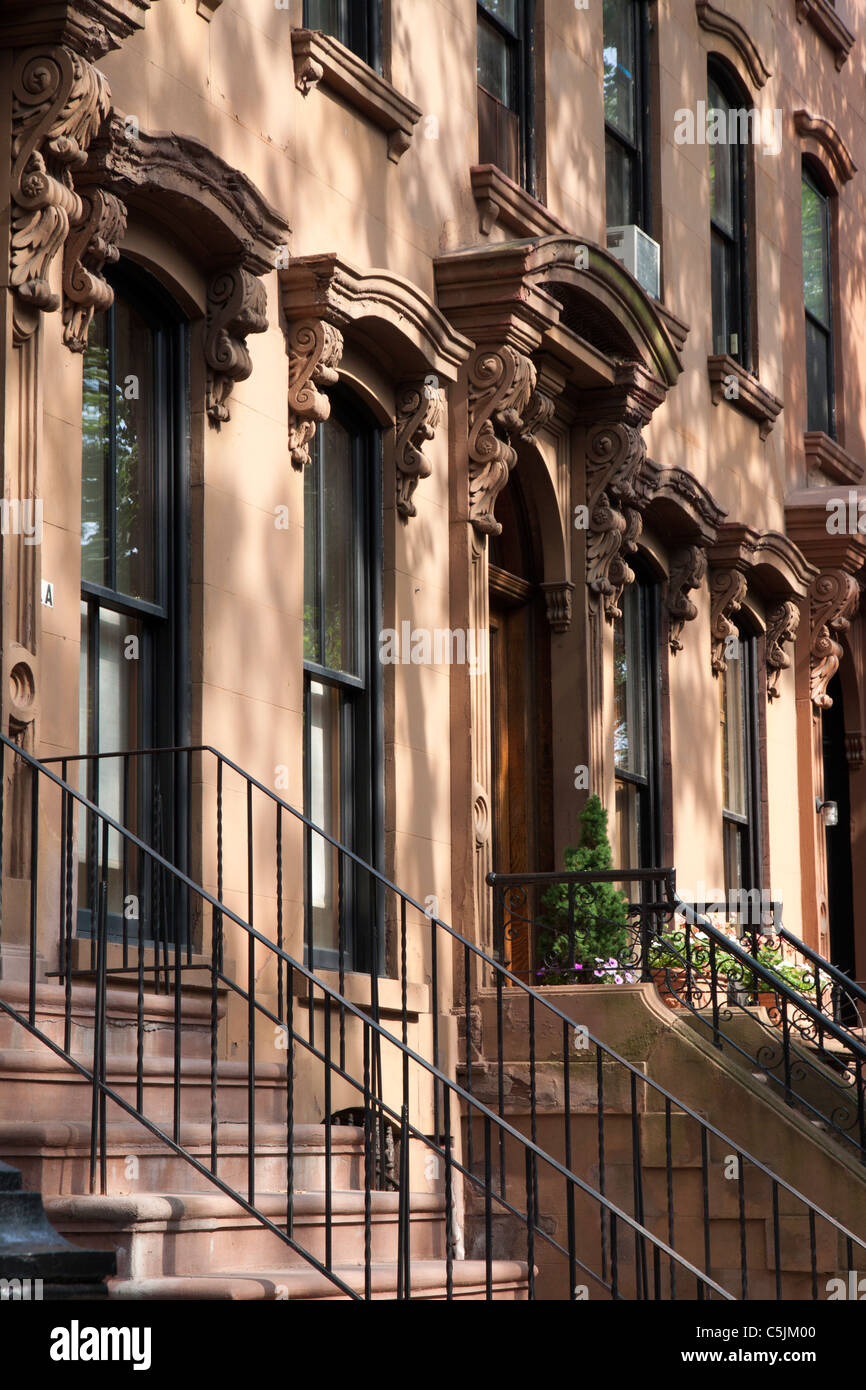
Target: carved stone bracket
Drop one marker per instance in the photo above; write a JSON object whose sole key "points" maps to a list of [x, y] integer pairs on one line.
{"points": [[834, 598], [783, 624], [92, 243], [501, 409], [615, 455], [315, 350], [855, 750], [236, 307], [558, 599], [688, 572], [727, 591], [59, 100], [420, 407]]}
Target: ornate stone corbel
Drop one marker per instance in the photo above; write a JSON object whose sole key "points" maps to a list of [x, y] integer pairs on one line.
{"points": [[558, 598], [92, 242], [420, 407], [501, 389], [834, 597], [615, 455], [688, 571], [59, 100], [315, 350], [783, 623], [727, 591], [236, 307]]}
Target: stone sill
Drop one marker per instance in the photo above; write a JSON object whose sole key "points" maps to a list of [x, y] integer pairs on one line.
{"points": [[356, 988], [318, 58], [823, 18], [830, 459], [752, 398], [500, 199]]}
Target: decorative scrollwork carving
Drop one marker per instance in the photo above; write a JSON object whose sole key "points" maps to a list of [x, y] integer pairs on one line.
{"points": [[58, 103], [236, 307], [688, 571], [420, 407], [834, 597], [783, 624], [727, 591], [501, 386], [558, 599], [615, 455], [315, 350], [92, 242]]}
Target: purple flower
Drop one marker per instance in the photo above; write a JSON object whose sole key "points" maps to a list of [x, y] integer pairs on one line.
{"points": [[598, 974], [578, 967], [617, 979]]}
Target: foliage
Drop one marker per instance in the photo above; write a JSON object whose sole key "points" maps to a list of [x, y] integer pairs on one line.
{"points": [[600, 912]]}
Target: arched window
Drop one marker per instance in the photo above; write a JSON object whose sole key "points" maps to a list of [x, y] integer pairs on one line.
{"points": [[637, 730], [818, 304], [342, 678], [730, 218], [741, 771], [134, 596]]}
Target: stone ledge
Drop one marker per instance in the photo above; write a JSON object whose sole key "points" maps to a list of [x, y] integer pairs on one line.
{"points": [[824, 19], [500, 199], [830, 459], [752, 398], [318, 58]]}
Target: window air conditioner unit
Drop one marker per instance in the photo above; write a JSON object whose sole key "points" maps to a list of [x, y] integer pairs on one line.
{"points": [[638, 253]]}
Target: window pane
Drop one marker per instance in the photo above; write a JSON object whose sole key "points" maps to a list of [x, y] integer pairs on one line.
{"points": [[137, 499], [339, 579], [818, 377], [630, 687], [620, 172], [328, 16], [815, 254], [506, 11], [95, 426], [734, 847], [496, 65], [732, 710], [323, 753], [721, 253], [628, 826], [620, 76], [312, 557], [723, 170]]}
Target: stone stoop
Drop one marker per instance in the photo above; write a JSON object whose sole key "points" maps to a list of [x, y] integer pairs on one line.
{"points": [[636, 1024], [174, 1232]]}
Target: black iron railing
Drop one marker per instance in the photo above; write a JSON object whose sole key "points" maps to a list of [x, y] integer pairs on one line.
{"points": [[616, 1223], [389, 1085], [800, 1044]]}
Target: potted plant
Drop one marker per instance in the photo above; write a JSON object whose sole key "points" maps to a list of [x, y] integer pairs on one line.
{"points": [[600, 911]]}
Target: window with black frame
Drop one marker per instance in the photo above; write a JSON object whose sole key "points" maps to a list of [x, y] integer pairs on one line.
{"points": [[357, 24], [818, 304], [741, 777], [342, 695], [729, 223], [637, 729], [132, 586], [505, 88], [626, 113]]}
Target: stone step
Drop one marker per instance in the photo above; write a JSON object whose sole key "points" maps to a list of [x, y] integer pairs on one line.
{"points": [[54, 1157], [428, 1284], [156, 1233]]}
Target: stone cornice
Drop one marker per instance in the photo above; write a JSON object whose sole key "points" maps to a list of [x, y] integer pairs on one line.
{"points": [[825, 456], [500, 199], [730, 382], [184, 184], [321, 59], [774, 564], [806, 521], [716, 21], [828, 137], [89, 27], [389, 313], [823, 18], [683, 508]]}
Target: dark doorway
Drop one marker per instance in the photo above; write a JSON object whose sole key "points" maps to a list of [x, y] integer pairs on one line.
{"points": [[840, 884]]}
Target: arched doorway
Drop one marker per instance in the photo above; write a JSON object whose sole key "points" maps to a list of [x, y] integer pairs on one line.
{"points": [[520, 702]]}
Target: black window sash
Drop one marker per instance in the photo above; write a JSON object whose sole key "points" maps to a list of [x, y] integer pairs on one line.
{"points": [[649, 786], [637, 150], [826, 329], [738, 307], [521, 45]]}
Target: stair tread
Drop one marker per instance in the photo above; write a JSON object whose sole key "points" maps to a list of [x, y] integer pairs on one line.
{"points": [[300, 1283], [123, 1209]]}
